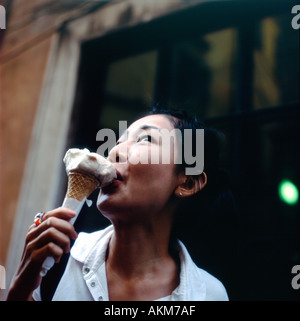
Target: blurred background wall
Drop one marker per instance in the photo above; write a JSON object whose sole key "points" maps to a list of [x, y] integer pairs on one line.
{"points": [[72, 67]]}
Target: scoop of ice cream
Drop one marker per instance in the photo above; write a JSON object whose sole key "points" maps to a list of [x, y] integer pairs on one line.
{"points": [[83, 161]]}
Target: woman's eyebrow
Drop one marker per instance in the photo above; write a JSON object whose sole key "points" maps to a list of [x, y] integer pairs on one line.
{"points": [[145, 127]]}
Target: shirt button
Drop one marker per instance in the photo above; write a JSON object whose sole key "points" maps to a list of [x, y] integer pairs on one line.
{"points": [[100, 298], [86, 270], [93, 284]]}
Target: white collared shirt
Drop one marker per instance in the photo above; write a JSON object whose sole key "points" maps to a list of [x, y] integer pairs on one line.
{"points": [[85, 276]]}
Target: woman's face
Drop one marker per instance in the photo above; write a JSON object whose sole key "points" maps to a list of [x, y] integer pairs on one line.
{"points": [[141, 186]]}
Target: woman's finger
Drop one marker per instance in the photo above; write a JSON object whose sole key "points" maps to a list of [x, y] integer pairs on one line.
{"points": [[61, 212], [50, 235], [56, 218], [52, 222], [39, 255]]}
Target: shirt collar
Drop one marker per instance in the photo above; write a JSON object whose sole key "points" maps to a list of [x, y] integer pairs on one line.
{"points": [[90, 249]]}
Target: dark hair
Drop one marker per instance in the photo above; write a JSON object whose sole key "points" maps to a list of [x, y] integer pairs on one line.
{"points": [[206, 221], [218, 178]]}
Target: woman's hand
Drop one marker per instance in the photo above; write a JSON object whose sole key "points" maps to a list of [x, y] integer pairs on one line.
{"points": [[50, 238]]}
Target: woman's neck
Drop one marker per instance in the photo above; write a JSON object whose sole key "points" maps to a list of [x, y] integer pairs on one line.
{"points": [[139, 265], [139, 248]]}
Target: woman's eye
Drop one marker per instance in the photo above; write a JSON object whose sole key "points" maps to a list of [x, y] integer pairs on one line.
{"points": [[147, 138]]}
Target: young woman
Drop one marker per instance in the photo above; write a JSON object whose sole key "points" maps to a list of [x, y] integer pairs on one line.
{"points": [[137, 257]]}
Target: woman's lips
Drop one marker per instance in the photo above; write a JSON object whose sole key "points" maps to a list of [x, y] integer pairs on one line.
{"points": [[114, 184], [119, 176]]}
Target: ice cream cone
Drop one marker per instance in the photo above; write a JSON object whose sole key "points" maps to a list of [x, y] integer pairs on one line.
{"points": [[86, 172], [81, 185]]}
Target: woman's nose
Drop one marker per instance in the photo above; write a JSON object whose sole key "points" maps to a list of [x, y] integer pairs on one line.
{"points": [[118, 153]]}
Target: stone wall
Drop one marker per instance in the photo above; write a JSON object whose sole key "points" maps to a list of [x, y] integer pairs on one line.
{"points": [[34, 30], [30, 28]]}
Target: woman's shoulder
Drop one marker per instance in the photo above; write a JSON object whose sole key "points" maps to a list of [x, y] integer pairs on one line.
{"points": [[202, 285], [215, 290]]}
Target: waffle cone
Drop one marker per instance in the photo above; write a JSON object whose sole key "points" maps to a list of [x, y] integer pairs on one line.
{"points": [[81, 185]]}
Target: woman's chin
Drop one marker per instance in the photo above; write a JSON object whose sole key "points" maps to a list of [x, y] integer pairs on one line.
{"points": [[109, 204]]}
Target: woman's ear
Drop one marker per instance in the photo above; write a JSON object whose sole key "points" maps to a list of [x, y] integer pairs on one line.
{"points": [[191, 185]]}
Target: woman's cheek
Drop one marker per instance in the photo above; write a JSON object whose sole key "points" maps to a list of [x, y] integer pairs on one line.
{"points": [[141, 155], [134, 156]]}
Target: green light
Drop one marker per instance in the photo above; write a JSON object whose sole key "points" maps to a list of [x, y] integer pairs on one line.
{"points": [[288, 192]]}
